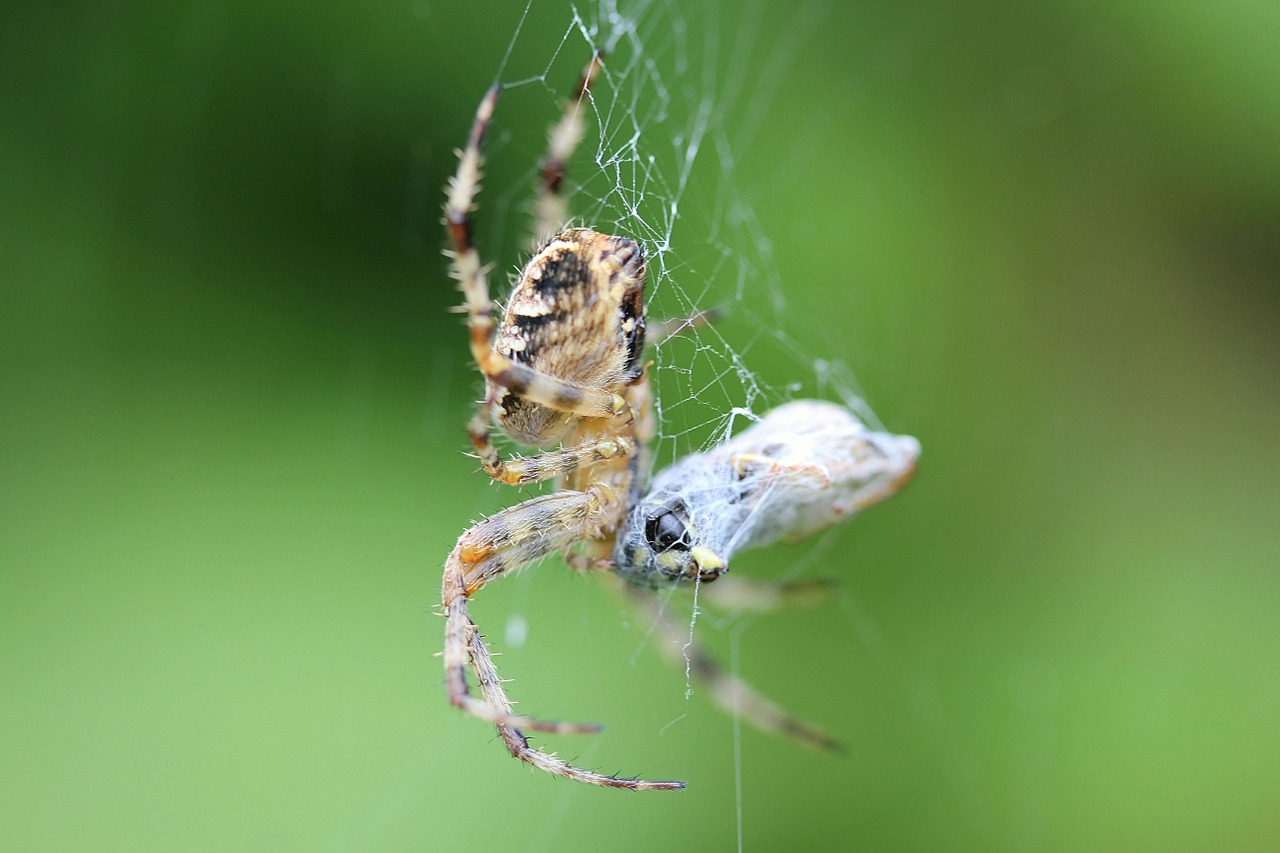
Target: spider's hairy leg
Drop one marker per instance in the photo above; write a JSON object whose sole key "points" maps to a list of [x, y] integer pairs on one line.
{"points": [[500, 544], [745, 595], [543, 466], [464, 260], [518, 745], [547, 390], [551, 213], [463, 646], [503, 543], [732, 694]]}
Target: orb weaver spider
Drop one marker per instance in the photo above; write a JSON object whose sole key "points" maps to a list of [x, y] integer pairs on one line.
{"points": [[564, 374]]}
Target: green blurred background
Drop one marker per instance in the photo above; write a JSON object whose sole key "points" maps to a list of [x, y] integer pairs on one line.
{"points": [[1046, 238]]}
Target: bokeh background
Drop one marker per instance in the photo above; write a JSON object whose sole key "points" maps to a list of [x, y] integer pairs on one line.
{"points": [[1045, 237]]}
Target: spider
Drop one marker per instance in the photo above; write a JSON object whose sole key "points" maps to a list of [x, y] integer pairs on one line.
{"points": [[564, 374]]}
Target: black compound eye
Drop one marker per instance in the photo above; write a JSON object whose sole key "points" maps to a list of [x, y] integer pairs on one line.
{"points": [[668, 529]]}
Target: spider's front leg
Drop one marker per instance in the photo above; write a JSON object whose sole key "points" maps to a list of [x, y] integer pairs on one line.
{"points": [[500, 544], [464, 260]]}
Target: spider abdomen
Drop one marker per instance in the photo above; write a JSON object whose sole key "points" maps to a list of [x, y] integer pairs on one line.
{"points": [[576, 313]]}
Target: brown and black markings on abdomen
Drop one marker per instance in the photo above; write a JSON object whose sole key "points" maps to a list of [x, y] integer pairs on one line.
{"points": [[576, 313]]}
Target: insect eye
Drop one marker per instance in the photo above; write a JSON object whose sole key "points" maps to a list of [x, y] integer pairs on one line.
{"points": [[667, 529]]}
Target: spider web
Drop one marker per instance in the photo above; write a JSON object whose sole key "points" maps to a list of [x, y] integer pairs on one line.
{"points": [[668, 120]]}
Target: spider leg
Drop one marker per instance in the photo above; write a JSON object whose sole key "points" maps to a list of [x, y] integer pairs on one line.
{"points": [[464, 260], [551, 213], [744, 595], [465, 646], [502, 543], [543, 466], [518, 745], [732, 694], [547, 390]]}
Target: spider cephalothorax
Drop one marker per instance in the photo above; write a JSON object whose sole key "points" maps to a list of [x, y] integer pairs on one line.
{"points": [[564, 374]]}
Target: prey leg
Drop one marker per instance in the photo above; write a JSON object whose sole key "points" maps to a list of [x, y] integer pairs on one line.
{"points": [[731, 693]]}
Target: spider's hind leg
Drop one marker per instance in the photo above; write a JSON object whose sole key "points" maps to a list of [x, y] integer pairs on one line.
{"points": [[464, 260], [496, 546]]}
